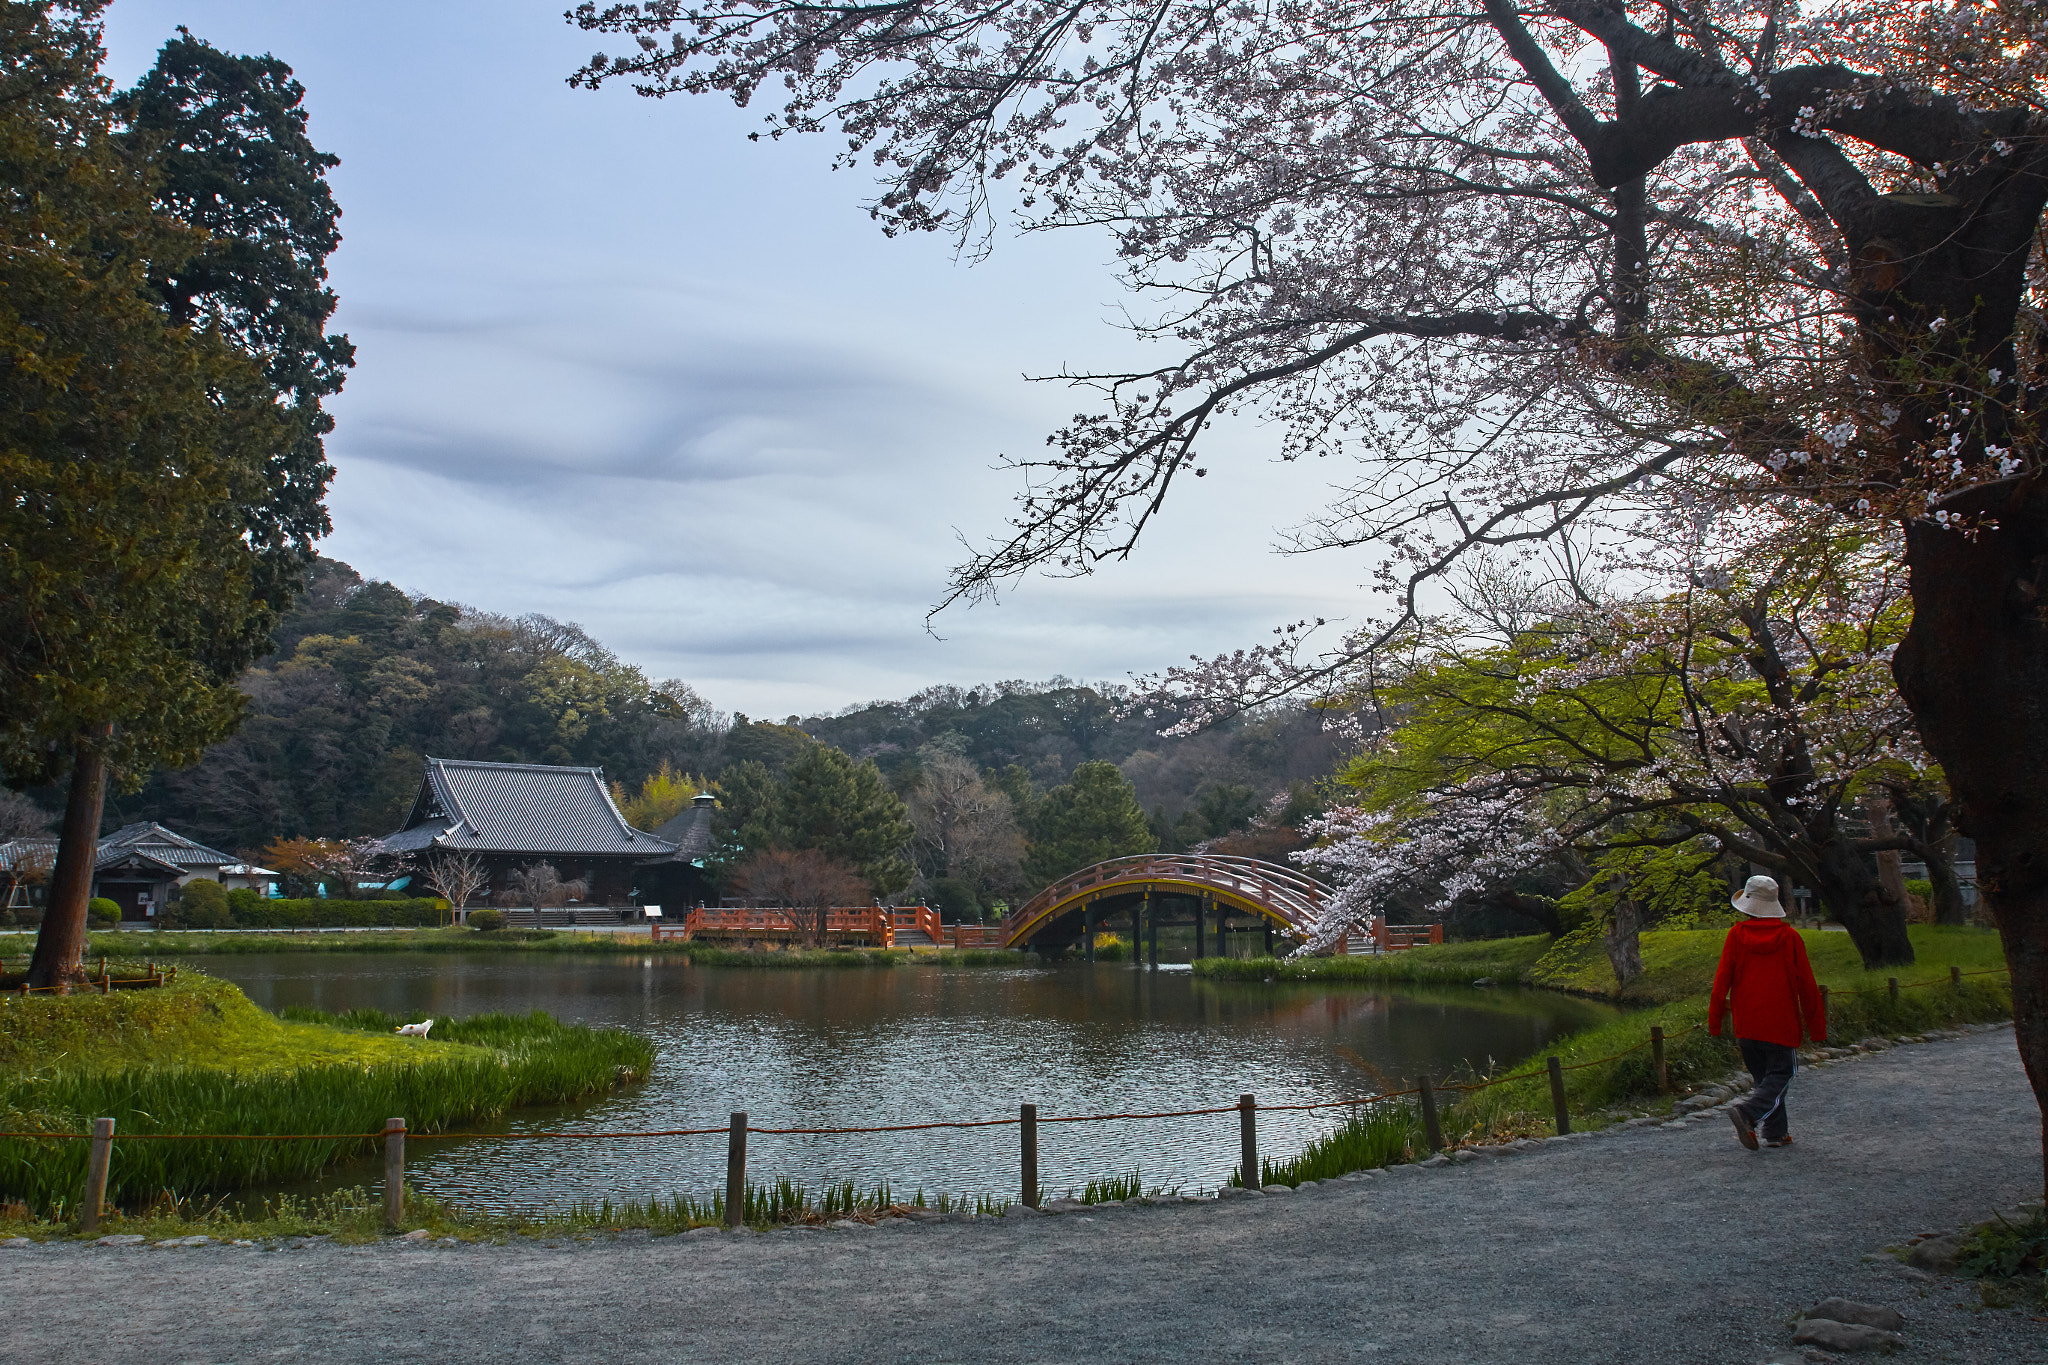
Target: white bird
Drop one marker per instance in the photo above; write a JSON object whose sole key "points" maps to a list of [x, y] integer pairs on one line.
{"points": [[415, 1030]]}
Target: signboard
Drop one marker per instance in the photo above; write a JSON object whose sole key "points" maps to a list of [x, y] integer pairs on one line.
{"points": [[651, 911]]}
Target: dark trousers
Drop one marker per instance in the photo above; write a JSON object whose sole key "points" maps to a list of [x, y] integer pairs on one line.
{"points": [[1771, 1066]]}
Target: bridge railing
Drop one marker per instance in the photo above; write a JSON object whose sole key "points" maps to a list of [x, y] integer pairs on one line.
{"points": [[1290, 895]]}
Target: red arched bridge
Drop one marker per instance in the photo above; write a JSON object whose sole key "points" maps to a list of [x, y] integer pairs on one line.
{"points": [[1283, 898]]}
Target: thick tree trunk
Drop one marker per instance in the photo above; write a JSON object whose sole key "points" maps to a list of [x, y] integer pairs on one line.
{"points": [[1948, 892], [60, 945], [1623, 940], [1974, 668], [1854, 895]]}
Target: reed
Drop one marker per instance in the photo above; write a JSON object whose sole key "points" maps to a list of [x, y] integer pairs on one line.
{"points": [[1369, 1137], [474, 1070]]}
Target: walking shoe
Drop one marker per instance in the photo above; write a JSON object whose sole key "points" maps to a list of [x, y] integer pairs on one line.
{"points": [[1745, 1131], [1785, 1141]]}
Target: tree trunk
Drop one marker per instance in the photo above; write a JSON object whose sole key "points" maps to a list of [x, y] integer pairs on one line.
{"points": [[60, 944], [1852, 893], [1623, 942], [1948, 892], [1974, 668]]}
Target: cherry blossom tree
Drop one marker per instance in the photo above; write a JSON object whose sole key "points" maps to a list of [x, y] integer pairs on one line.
{"points": [[1752, 713], [1531, 266]]}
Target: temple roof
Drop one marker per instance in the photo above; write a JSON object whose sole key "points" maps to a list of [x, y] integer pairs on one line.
{"points": [[519, 808]]}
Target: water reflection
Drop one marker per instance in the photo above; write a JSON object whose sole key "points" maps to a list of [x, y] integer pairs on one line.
{"points": [[858, 1047]]}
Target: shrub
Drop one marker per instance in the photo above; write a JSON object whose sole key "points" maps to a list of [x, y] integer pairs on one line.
{"points": [[486, 919], [203, 905], [103, 911], [243, 903], [315, 913]]}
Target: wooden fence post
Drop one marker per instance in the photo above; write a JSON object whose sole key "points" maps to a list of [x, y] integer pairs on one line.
{"points": [[1248, 1139], [736, 1170], [394, 1172], [1027, 1127], [1564, 1115], [96, 1174], [1657, 1058], [1892, 986], [1955, 977], [1431, 1129]]}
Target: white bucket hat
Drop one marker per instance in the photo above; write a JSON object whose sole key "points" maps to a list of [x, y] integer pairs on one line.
{"points": [[1759, 899]]}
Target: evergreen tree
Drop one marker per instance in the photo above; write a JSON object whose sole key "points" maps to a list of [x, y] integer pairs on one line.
{"points": [[846, 811], [1089, 819], [150, 529]]}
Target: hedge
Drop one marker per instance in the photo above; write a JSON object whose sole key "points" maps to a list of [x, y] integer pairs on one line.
{"points": [[253, 912]]}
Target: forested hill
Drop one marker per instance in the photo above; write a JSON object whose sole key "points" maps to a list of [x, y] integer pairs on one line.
{"points": [[366, 681]]}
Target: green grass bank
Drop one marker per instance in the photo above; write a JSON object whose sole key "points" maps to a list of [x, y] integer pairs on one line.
{"points": [[1610, 1073], [198, 1057], [139, 944]]}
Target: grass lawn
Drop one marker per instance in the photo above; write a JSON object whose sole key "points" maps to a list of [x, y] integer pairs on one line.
{"points": [[196, 1056], [160, 944]]}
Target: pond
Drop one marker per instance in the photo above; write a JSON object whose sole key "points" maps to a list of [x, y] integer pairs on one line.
{"points": [[861, 1047]]}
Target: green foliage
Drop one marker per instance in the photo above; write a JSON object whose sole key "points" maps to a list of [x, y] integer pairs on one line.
{"points": [[2005, 1250], [484, 921], [1369, 1137], [201, 904], [663, 795], [844, 810], [824, 801], [1091, 818], [103, 911], [219, 1065], [150, 534]]}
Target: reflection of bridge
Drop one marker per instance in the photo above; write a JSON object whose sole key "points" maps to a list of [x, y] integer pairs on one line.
{"points": [[1071, 908]]}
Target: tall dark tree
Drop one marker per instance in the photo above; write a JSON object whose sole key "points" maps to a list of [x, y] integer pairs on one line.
{"points": [[227, 142], [154, 516], [1093, 818]]}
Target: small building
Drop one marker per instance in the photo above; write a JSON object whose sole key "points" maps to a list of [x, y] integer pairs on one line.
{"points": [[678, 879], [135, 867], [512, 815]]}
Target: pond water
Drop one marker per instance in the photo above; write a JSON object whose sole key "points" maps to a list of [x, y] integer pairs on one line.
{"points": [[856, 1047]]}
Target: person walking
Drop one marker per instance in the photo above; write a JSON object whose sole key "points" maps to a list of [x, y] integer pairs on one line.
{"points": [[1767, 985]]}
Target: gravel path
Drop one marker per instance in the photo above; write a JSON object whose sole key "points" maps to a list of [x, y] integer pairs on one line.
{"points": [[1637, 1246]]}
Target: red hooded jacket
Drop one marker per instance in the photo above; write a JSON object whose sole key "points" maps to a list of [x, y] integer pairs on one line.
{"points": [[1765, 976]]}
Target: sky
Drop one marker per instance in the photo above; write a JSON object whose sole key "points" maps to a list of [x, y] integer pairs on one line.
{"points": [[619, 365]]}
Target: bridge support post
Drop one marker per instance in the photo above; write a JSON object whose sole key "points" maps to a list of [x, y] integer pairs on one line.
{"points": [[1201, 905], [1088, 930], [1151, 930], [1269, 934], [1248, 1140]]}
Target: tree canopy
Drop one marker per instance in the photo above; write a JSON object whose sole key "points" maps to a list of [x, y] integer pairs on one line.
{"points": [[1091, 818]]}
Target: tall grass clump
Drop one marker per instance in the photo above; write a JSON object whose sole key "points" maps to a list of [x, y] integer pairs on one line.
{"points": [[299, 1083], [1370, 1136]]}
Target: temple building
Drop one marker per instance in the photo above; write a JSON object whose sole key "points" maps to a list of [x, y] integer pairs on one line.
{"points": [[512, 815]]}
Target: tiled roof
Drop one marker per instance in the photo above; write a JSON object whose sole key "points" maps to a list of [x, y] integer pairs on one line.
{"points": [[34, 850], [519, 808], [690, 830], [153, 841], [147, 842]]}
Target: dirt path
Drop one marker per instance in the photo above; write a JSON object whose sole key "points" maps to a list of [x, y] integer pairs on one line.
{"points": [[1634, 1247]]}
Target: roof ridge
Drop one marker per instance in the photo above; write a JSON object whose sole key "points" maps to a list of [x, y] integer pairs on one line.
{"points": [[446, 791], [605, 791]]}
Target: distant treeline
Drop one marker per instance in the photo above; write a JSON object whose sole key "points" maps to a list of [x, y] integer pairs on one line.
{"points": [[366, 681]]}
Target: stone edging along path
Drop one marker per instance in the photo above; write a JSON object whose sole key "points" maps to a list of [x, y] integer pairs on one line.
{"points": [[1656, 1240]]}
